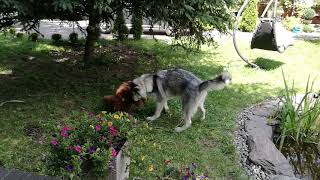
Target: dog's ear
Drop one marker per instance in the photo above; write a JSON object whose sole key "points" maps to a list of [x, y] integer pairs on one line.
{"points": [[123, 89]]}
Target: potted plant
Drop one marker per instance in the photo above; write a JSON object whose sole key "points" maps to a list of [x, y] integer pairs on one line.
{"points": [[91, 146]]}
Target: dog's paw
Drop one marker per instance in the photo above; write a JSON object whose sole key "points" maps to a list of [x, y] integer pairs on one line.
{"points": [[151, 118]]}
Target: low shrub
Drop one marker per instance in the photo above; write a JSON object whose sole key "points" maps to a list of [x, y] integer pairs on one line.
{"points": [[4, 32], [73, 37], [12, 31], [291, 22], [300, 118], [19, 35], [56, 38], [308, 13], [33, 37], [87, 146], [307, 28]]}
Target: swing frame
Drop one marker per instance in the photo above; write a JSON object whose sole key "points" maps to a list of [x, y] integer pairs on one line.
{"points": [[235, 29]]}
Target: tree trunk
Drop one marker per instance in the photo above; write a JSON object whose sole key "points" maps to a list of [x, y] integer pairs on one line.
{"points": [[93, 33]]}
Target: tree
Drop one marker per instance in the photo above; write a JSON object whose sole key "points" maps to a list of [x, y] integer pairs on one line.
{"points": [[137, 19], [192, 17], [188, 18], [249, 17]]}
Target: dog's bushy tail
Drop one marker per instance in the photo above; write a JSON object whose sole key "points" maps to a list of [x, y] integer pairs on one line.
{"points": [[217, 83]]}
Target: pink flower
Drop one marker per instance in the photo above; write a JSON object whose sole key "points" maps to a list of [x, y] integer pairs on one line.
{"points": [[54, 142], [70, 148], [66, 128], [78, 149], [98, 128], [114, 153], [113, 131], [64, 131]]}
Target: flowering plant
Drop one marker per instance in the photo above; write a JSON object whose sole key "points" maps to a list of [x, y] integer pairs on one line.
{"points": [[89, 143], [186, 173]]}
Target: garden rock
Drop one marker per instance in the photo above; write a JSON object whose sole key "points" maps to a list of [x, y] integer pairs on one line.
{"points": [[262, 150], [267, 109], [258, 154]]}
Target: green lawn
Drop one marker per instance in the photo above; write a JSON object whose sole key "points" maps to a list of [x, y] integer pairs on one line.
{"points": [[54, 91]]}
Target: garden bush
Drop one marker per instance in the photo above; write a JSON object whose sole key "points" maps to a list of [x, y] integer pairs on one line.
{"points": [[249, 17], [33, 37], [291, 22], [120, 29], [316, 6], [87, 146], [307, 28], [19, 35], [73, 37], [12, 31], [308, 14], [56, 38]]}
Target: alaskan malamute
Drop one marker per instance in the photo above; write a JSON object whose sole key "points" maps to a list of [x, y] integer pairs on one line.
{"points": [[166, 84]]}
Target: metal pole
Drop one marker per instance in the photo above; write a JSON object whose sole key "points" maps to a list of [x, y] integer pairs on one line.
{"points": [[235, 32]]}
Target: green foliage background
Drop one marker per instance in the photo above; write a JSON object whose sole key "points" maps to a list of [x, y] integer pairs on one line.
{"points": [[249, 17]]}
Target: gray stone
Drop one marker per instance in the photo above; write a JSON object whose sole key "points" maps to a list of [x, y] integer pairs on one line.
{"points": [[258, 126], [120, 166], [262, 150], [280, 177], [266, 109]]}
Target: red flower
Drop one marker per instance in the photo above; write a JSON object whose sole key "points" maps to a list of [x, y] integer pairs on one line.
{"points": [[167, 162]]}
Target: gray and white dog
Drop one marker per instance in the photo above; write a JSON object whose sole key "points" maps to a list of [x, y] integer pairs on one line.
{"points": [[166, 84]]}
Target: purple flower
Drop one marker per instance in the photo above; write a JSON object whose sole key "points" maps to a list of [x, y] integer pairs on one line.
{"points": [[318, 161], [69, 167], [185, 178], [92, 149], [203, 177], [91, 114], [194, 165]]}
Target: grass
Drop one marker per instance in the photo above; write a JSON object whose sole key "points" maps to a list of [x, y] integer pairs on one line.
{"points": [[53, 90]]}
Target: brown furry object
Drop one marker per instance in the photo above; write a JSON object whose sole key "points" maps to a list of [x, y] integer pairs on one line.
{"points": [[123, 98]]}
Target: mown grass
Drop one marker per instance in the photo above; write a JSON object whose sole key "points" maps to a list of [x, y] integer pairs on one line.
{"points": [[53, 91]]}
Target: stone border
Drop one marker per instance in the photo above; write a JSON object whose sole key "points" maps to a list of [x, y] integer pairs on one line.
{"points": [[253, 139]]}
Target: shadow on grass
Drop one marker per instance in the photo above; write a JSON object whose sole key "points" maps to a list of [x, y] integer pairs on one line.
{"points": [[315, 42], [267, 64]]}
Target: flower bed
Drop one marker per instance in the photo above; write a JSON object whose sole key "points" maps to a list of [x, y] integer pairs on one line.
{"points": [[88, 146]]}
